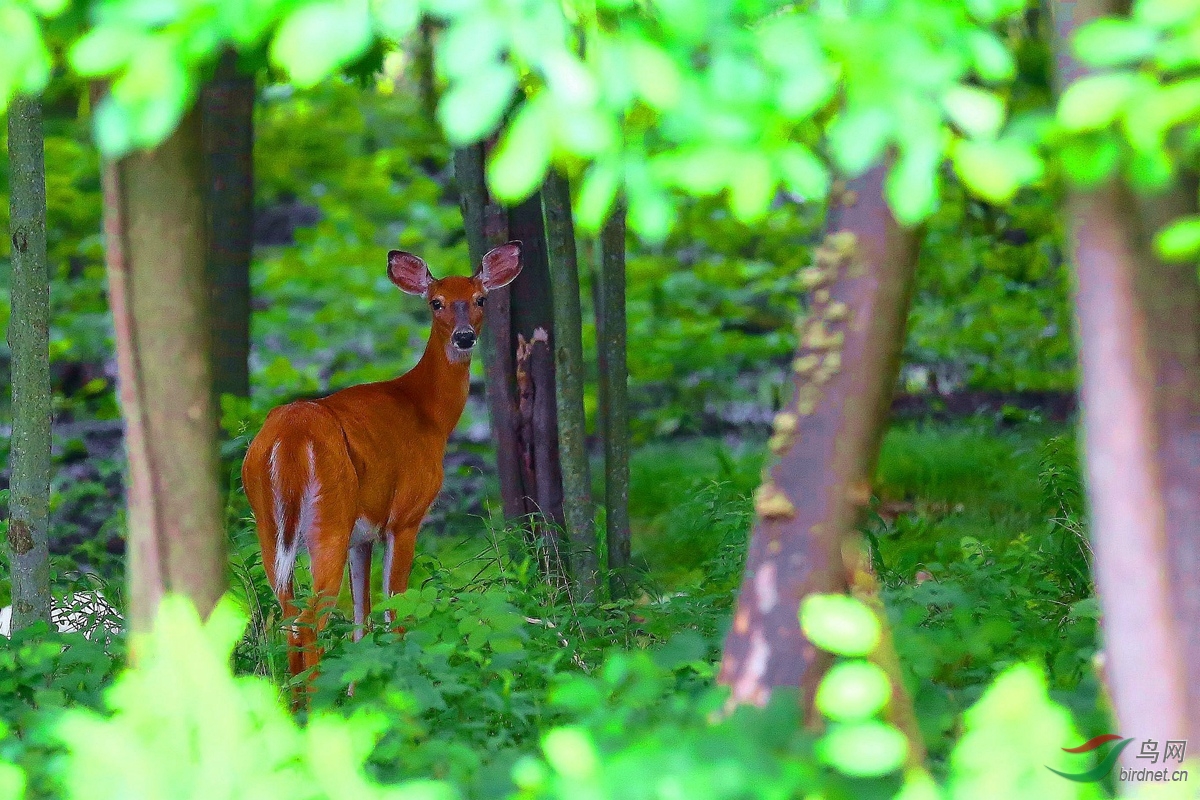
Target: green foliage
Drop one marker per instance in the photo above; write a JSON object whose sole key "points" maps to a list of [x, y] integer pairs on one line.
{"points": [[182, 726], [706, 100], [25, 60], [1138, 113], [41, 674], [839, 624]]}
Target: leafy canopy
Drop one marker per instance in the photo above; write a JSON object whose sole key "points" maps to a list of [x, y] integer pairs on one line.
{"points": [[737, 97]]}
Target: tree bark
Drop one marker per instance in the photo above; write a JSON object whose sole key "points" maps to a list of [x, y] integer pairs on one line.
{"points": [[827, 440], [523, 416], [568, 361], [532, 310], [29, 339], [155, 242], [614, 400], [227, 104], [486, 226], [1138, 331], [424, 64]]}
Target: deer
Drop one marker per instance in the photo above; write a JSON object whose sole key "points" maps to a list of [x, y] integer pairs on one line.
{"points": [[336, 475]]}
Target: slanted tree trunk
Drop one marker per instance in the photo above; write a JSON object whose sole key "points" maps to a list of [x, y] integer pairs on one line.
{"points": [[568, 361], [227, 107], [29, 339], [154, 225], [614, 399], [827, 440], [1138, 328]]}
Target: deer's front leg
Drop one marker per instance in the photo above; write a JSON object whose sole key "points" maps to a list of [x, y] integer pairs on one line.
{"points": [[399, 548]]}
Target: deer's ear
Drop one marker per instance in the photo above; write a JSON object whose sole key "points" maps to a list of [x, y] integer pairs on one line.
{"points": [[500, 266], [409, 272]]}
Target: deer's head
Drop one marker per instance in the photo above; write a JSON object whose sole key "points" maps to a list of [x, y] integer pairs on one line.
{"points": [[456, 302]]}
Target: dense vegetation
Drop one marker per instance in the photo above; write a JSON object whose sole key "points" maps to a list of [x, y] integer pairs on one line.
{"points": [[976, 529], [722, 127]]}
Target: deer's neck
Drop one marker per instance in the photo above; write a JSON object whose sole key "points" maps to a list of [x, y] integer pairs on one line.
{"points": [[438, 385]]}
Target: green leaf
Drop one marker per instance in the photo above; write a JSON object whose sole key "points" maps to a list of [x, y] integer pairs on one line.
{"points": [[571, 752], [1013, 733], [597, 191], [1094, 101], [319, 37], [991, 10], [12, 782], [919, 785], [569, 80], [803, 173], [864, 749], [519, 164], [24, 60], [977, 112], [48, 8], [529, 774], [586, 132], [996, 170], [655, 75], [152, 93], [1179, 241], [858, 136], [395, 19], [911, 186], [853, 690], [703, 170], [1110, 42], [473, 107], [992, 59], [1165, 13], [650, 213], [839, 624], [1149, 115], [1090, 160], [1150, 170], [751, 187], [470, 45]]}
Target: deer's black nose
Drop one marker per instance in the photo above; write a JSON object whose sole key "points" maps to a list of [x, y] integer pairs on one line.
{"points": [[464, 340]]}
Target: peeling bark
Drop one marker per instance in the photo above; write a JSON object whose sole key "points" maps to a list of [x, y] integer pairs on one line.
{"points": [[568, 361], [827, 440], [29, 340], [614, 400], [154, 226], [532, 309]]}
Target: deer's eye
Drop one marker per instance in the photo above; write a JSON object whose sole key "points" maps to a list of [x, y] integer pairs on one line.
{"points": [[436, 304], [479, 301]]}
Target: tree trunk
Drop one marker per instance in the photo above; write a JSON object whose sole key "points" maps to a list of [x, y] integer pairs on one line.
{"points": [[1138, 329], [486, 226], [614, 400], [155, 238], [227, 104], [532, 310], [827, 440], [568, 360], [523, 416], [423, 60], [29, 339]]}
